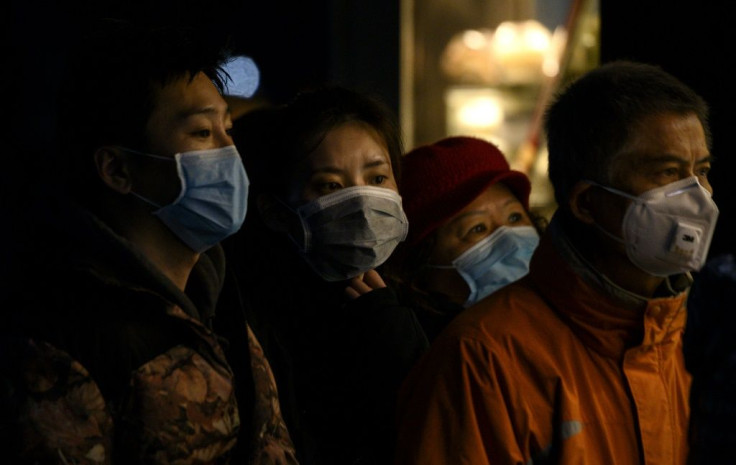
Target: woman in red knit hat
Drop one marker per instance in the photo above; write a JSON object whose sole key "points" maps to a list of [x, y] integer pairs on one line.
{"points": [[471, 231]]}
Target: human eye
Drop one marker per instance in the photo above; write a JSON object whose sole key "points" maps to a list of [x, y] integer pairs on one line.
{"points": [[325, 188], [202, 133], [476, 229], [665, 174], [378, 175], [702, 171], [670, 172], [515, 217], [380, 179]]}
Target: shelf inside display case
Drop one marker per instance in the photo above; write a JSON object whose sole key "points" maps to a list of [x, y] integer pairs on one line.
{"points": [[488, 69]]}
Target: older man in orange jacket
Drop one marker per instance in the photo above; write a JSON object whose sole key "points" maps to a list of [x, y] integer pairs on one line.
{"points": [[581, 361]]}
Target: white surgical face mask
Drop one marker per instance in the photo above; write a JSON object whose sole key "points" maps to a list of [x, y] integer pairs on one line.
{"points": [[668, 230], [497, 260], [350, 231], [213, 198]]}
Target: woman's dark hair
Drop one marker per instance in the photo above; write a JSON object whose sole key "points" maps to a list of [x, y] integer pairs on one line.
{"points": [[297, 129]]}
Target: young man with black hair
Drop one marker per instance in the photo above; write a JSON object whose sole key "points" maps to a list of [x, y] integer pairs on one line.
{"points": [[112, 352]]}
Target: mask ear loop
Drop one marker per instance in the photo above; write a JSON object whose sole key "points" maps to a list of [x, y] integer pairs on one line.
{"points": [[469, 282], [616, 192], [148, 201], [612, 190], [612, 236], [491, 237], [440, 267], [303, 245], [145, 154], [175, 159]]}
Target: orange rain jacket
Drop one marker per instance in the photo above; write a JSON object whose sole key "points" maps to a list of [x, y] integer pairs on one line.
{"points": [[551, 369]]}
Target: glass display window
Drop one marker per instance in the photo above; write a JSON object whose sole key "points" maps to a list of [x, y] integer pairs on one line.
{"points": [[487, 68]]}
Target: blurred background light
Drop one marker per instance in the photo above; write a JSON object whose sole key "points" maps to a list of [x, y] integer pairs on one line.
{"points": [[244, 77]]}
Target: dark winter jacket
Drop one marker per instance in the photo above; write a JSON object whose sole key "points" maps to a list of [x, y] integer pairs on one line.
{"points": [[710, 356], [104, 360], [338, 362]]}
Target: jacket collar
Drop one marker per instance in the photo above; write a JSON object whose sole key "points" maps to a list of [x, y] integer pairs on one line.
{"points": [[85, 243], [606, 317]]}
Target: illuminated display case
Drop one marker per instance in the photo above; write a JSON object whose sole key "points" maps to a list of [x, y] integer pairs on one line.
{"points": [[488, 68]]}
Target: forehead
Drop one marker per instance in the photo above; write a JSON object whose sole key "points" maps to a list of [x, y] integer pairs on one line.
{"points": [[493, 200], [351, 142], [184, 97], [493, 196], [664, 136]]}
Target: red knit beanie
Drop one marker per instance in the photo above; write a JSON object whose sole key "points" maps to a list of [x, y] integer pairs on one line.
{"points": [[440, 179]]}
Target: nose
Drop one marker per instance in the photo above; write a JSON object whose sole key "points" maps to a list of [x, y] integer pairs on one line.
{"points": [[223, 139], [702, 179], [353, 180]]}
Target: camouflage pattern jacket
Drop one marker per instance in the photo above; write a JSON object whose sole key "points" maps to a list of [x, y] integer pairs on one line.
{"points": [[105, 361]]}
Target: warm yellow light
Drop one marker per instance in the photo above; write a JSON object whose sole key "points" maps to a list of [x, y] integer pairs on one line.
{"points": [[520, 49], [551, 62], [550, 67], [470, 109], [474, 40], [480, 112], [535, 36], [505, 36], [467, 57], [528, 37], [516, 52]]}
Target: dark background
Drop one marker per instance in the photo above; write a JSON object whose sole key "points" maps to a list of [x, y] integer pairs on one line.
{"points": [[694, 41], [356, 43]]}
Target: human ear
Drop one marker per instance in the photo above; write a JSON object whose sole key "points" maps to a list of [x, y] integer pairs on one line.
{"points": [[112, 168], [273, 212], [581, 202]]}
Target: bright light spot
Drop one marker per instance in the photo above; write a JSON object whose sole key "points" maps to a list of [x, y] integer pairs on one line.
{"points": [[505, 35], [474, 110], [550, 67], [536, 37], [474, 40], [244, 77], [480, 112]]}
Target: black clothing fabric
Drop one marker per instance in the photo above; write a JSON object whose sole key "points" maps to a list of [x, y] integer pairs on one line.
{"points": [[434, 310], [710, 356], [89, 292], [338, 362], [86, 312]]}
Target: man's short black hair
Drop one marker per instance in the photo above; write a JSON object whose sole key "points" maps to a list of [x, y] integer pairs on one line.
{"points": [[108, 89], [593, 118]]}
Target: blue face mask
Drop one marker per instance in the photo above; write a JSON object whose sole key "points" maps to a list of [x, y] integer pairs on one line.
{"points": [[213, 198], [497, 260]]}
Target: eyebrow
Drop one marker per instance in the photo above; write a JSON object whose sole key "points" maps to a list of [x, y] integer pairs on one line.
{"points": [[375, 163], [208, 110], [481, 212], [327, 169], [335, 170], [672, 158]]}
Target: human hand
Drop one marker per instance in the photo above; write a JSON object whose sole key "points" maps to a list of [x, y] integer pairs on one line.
{"points": [[364, 283]]}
